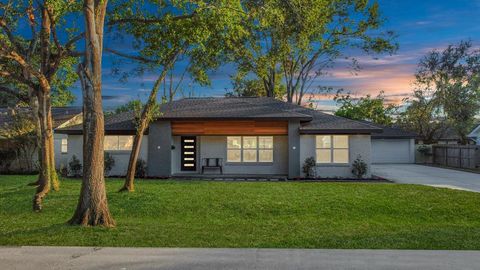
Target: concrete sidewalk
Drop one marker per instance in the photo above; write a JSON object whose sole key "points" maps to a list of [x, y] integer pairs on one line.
{"points": [[39, 258]]}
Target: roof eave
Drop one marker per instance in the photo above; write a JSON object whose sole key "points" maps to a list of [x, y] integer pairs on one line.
{"points": [[107, 132], [394, 137], [295, 118], [339, 131]]}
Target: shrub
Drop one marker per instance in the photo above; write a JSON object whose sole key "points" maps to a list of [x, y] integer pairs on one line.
{"points": [[309, 167], [8, 156], [141, 168], [63, 170], [424, 150], [359, 167], [109, 162], [75, 167]]}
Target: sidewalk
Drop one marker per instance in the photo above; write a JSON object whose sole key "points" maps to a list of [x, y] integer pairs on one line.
{"points": [[40, 258]]}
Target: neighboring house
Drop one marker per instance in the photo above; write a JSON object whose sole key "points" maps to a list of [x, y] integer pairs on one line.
{"points": [[62, 117], [252, 136], [475, 134], [393, 145]]}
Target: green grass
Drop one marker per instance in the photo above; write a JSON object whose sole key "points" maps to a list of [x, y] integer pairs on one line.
{"points": [[249, 214]]}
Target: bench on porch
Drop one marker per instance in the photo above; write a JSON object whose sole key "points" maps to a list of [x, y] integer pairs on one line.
{"points": [[212, 163]]}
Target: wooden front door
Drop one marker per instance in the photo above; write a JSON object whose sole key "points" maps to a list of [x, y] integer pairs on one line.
{"points": [[189, 153]]}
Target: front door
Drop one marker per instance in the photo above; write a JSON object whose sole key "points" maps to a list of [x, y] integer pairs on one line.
{"points": [[189, 153]]}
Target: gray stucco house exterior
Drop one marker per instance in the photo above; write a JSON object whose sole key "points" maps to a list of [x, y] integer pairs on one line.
{"points": [[249, 136]]}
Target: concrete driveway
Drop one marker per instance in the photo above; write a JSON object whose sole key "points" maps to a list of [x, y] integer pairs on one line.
{"points": [[39, 258], [426, 175]]}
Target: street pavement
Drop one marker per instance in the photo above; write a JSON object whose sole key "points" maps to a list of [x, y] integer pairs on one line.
{"points": [[39, 258]]}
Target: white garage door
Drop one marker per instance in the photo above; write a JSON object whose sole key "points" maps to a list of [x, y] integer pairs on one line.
{"points": [[391, 151]]}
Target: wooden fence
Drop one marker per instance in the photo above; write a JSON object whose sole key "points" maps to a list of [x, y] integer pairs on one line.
{"points": [[459, 156]]}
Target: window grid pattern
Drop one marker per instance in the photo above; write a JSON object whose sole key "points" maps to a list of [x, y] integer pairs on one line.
{"points": [[332, 149], [249, 149], [118, 143]]}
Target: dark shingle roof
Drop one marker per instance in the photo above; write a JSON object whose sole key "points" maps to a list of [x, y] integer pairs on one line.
{"points": [[122, 123], [236, 108], [228, 108], [60, 115], [392, 132]]}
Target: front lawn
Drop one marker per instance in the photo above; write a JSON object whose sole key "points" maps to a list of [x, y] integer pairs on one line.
{"points": [[249, 214]]}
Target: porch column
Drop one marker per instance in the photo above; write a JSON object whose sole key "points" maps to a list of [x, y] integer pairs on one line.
{"points": [[160, 149], [293, 149]]}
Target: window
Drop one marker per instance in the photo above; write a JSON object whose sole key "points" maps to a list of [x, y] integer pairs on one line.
{"points": [[265, 149], [64, 146], [118, 143], [332, 149], [250, 149]]}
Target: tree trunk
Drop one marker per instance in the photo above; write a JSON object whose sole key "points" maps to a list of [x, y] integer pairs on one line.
{"points": [[92, 208], [269, 84], [48, 176], [143, 123], [43, 180], [132, 162], [33, 102]]}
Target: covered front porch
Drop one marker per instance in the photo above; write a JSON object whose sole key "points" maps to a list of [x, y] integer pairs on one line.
{"points": [[226, 150], [234, 156]]}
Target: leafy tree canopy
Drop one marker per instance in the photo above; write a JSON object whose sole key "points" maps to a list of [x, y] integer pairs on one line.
{"points": [[200, 32], [243, 87], [423, 116], [300, 39], [369, 108], [16, 18], [452, 79]]}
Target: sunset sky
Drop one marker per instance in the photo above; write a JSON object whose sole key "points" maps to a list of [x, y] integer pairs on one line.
{"points": [[421, 26]]}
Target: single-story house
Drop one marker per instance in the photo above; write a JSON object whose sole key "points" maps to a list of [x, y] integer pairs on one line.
{"points": [[475, 134], [249, 136], [393, 145], [27, 160]]}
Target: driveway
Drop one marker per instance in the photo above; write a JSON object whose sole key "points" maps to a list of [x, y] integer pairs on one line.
{"points": [[39, 258], [429, 176]]}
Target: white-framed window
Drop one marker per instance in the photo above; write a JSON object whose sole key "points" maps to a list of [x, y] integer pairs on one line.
{"points": [[332, 149], [118, 143], [64, 146], [250, 149]]}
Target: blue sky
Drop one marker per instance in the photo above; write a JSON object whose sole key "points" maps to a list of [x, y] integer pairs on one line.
{"points": [[421, 26]]}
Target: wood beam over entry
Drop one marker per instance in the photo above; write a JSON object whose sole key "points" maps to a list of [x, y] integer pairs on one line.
{"points": [[250, 127]]}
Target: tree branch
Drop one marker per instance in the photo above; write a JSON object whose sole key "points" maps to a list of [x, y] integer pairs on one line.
{"points": [[133, 57], [72, 41], [10, 35], [17, 94], [151, 20]]}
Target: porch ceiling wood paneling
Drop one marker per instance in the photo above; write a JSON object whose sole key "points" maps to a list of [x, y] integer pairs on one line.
{"points": [[230, 128]]}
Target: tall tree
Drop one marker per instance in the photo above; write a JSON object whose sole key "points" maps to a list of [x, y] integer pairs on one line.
{"points": [[369, 108], [423, 116], [453, 78], [200, 31], [302, 39], [31, 61], [92, 208]]}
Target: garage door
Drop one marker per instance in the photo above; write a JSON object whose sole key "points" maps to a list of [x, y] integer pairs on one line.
{"points": [[391, 151]]}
